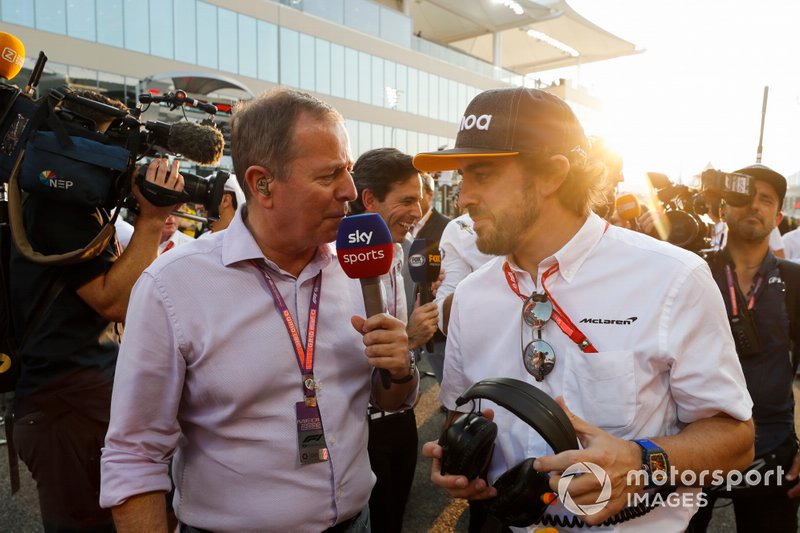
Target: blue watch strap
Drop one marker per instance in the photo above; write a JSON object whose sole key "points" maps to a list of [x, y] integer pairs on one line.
{"points": [[654, 459]]}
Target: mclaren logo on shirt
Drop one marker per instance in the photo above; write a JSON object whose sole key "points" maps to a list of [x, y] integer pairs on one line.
{"points": [[623, 322]]}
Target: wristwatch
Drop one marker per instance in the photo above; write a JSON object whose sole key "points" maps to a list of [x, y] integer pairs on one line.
{"points": [[655, 462], [412, 369]]}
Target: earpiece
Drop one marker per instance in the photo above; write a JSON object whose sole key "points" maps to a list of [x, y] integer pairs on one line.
{"points": [[262, 186]]}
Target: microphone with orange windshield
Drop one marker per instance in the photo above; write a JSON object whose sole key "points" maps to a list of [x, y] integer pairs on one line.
{"points": [[12, 56]]}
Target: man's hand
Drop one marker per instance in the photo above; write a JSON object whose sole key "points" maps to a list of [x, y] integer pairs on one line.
{"points": [[457, 486], [654, 223], [159, 173], [386, 343], [791, 475], [422, 324], [438, 283], [615, 456]]}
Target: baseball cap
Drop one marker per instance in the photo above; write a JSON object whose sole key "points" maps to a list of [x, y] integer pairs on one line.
{"points": [[764, 173], [507, 122], [232, 185]]}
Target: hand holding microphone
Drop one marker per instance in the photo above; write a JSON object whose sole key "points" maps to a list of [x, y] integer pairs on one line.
{"points": [[424, 265], [365, 250]]}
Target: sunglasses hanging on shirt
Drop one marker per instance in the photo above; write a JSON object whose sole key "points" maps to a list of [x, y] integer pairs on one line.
{"points": [[538, 356]]}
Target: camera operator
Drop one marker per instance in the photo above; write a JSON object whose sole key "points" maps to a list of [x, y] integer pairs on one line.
{"points": [[63, 395], [753, 283], [663, 389]]}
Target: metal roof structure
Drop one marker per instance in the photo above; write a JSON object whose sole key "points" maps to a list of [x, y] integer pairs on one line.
{"points": [[558, 36]]}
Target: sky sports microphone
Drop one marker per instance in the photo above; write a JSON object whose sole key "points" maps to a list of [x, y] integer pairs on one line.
{"points": [[424, 265], [365, 249], [629, 209], [12, 56]]}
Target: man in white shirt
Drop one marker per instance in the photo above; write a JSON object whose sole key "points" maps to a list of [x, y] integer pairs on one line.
{"points": [[639, 349]]}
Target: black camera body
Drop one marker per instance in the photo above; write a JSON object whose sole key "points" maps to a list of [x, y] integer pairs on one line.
{"points": [[685, 207]]}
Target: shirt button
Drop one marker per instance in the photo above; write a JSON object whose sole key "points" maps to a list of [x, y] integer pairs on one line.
{"points": [[332, 440], [338, 494]]}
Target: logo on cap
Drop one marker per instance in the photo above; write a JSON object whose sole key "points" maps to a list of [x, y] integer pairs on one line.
{"points": [[468, 122]]}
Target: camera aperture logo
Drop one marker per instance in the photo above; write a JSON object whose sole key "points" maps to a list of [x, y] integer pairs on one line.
{"points": [[579, 469]]}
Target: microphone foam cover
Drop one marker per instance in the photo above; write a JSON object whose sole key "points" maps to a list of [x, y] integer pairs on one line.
{"points": [[364, 246], [199, 142], [12, 55], [418, 261], [628, 207]]}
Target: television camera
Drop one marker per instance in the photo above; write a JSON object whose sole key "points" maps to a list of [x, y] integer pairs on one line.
{"points": [[686, 208]]}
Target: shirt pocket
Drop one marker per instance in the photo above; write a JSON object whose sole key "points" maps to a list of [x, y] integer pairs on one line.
{"points": [[601, 387]]}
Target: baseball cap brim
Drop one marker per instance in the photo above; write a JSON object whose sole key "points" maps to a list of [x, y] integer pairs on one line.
{"points": [[448, 159]]}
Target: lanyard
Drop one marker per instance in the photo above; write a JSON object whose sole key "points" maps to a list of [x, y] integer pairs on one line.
{"points": [[751, 302], [305, 355], [559, 316]]}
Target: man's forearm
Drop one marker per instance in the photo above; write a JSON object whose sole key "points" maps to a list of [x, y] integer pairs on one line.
{"points": [[143, 513], [110, 295], [716, 443]]}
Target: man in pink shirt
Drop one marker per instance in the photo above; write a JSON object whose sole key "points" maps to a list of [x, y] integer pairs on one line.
{"points": [[239, 365]]}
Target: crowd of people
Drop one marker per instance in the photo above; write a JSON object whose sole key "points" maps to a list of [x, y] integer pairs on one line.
{"points": [[246, 391]]}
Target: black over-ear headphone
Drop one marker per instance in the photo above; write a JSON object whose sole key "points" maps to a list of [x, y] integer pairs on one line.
{"points": [[468, 442]]}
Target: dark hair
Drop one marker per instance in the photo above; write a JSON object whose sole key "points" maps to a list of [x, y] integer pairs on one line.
{"points": [[262, 130], [98, 117], [379, 170]]}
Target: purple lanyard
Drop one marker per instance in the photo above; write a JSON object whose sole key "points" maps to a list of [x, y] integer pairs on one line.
{"points": [[751, 302], [305, 355]]}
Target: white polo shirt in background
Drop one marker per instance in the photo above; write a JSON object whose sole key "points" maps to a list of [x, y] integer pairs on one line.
{"points": [[652, 310], [460, 257]]}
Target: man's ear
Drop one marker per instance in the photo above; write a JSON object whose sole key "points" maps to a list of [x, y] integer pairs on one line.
{"points": [[253, 177], [226, 201], [779, 219], [556, 170], [369, 200]]}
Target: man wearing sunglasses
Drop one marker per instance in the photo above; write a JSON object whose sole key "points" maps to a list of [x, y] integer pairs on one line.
{"points": [[760, 293], [629, 332]]}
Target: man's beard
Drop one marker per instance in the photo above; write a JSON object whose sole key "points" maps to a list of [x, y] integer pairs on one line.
{"points": [[501, 236], [748, 232]]}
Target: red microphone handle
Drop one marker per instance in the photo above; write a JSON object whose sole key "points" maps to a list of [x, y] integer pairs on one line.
{"points": [[372, 291]]}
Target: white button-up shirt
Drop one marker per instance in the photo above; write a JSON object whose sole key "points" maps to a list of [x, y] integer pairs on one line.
{"points": [[665, 357]]}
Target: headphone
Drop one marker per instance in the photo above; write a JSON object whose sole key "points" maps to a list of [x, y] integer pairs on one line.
{"points": [[467, 446]]}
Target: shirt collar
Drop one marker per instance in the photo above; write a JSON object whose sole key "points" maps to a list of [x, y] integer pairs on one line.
{"points": [[572, 255], [238, 244], [421, 222]]}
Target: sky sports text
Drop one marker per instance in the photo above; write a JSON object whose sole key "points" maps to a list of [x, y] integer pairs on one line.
{"points": [[361, 257]]}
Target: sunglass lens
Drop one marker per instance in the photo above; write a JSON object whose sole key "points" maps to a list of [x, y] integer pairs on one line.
{"points": [[537, 310], [539, 359]]}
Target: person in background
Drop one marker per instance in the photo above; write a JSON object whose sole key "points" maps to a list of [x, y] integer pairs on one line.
{"points": [[63, 396], [430, 227], [753, 283], [388, 184]]}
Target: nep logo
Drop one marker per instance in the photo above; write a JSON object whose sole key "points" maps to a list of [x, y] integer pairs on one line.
{"points": [[48, 178]]}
